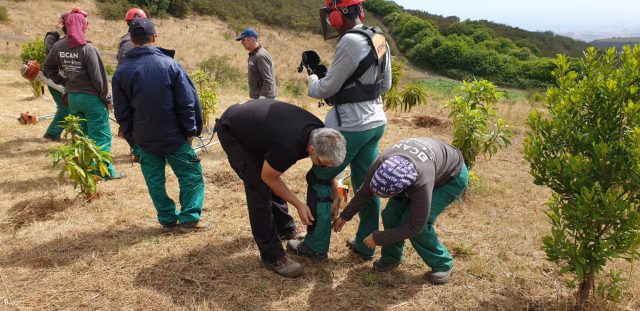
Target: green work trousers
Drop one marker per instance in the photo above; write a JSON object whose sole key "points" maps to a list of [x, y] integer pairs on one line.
{"points": [[186, 165], [426, 243], [55, 128], [95, 112], [362, 151]]}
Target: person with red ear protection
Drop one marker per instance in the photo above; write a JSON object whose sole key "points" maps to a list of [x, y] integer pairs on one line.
{"points": [[124, 46], [359, 74]]}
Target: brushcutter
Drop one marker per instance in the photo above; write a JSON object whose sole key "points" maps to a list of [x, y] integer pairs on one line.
{"points": [[31, 71], [200, 141], [31, 118]]}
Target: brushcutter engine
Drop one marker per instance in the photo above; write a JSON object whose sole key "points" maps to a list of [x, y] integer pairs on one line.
{"points": [[311, 62], [31, 71]]}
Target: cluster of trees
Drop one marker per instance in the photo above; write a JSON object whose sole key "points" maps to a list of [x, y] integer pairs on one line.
{"points": [[300, 15], [466, 50]]}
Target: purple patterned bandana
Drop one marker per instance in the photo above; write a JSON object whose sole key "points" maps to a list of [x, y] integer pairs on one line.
{"points": [[393, 176]]}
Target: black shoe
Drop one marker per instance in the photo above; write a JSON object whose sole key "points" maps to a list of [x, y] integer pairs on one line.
{"points": [[169, 226], [351, 244], [194, 226], [382, 266], [51, 137], [118, 175], [291, 235], [298, 248], [286, 267]]}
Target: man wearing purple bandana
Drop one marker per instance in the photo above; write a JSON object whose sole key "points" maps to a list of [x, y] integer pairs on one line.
{"points": [[421, 176]]}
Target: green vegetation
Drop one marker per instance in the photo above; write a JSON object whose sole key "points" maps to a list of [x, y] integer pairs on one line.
{"points": [[407, 97], [83, 161], [220, 69], [299, 15], [34, 50], [586, 149], [206, 86], [295, 88], [469, 49], [4, 16], [476, 128]]}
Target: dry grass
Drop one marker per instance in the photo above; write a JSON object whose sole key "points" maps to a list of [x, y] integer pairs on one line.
{"points": [[59, 253]]}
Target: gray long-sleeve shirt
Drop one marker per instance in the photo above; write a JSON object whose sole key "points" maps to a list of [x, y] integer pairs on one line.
{"points": [[82, 66], [124, 46], [436, 162], [356, 117], [262, 75]]}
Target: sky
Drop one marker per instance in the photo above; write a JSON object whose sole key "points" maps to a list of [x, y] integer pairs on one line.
{"points": [[559, 16]]}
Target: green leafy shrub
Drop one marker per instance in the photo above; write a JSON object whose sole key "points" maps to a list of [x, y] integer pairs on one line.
{"points": [[409, 96], [4, 16], [206, 94], [83, 161], [476, 127], [113, 9], [586, 149], [178, 8], [295, 89], [220, 69], [109, 69], [34, 50]]}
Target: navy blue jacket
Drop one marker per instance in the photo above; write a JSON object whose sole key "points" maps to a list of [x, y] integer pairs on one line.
{"points": [[155, 102]]}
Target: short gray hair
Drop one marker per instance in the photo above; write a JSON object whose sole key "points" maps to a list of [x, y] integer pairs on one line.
{"points": [[329, 145]]}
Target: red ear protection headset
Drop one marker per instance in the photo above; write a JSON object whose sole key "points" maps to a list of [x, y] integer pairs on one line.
{"points": [[336, 16]]}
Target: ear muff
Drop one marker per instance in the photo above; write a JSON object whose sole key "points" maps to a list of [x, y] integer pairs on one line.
{"points": [[335, 19]]}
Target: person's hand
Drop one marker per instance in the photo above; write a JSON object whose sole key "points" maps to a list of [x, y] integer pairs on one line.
{"points": [[190, 139], [369, 242], [109, 105], [335, 207], [305, 214], [338, 223], [311, 78]]}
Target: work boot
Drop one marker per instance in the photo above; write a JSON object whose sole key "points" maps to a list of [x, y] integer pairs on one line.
{"points": [[51, 137], [298, 248], [351, 244], [439, 277], [380, 265], [291, 235], [194, 226], [169, 226], [118, 175], [286, 267]]}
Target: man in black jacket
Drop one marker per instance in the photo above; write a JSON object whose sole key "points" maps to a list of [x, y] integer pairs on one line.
{"points": [[160, 122]]}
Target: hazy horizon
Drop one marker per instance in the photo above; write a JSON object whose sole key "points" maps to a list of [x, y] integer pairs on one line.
{"points": [[569, 16]]}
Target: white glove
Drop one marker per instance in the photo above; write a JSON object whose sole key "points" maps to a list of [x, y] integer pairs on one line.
{"points": [[311, 78]]}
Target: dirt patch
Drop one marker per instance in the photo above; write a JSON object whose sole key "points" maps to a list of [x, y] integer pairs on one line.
{"points": [[224, 179], [430, 121], [28, 211]]}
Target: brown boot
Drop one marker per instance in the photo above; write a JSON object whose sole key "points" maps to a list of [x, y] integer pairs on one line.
{"points": [[286, 267], [194, 226]]}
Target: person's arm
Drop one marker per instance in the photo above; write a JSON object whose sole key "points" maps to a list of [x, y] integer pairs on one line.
{"points": [[52, 68], [386, 83], [344, 64], [265, 65], [185, 98], [97, 73], [272, 178], [122, 107], [419, 209], [361, 198]]}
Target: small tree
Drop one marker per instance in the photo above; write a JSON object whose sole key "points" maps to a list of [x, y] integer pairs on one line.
{"points": [[84, 162], [34, 50], [586, 149], [410, 96], [206, 94], [477, 129]]}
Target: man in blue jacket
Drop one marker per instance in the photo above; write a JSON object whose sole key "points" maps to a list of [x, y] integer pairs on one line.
{"points": [[158, 111]]}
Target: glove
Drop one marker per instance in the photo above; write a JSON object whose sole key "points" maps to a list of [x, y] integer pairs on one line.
{"points": [[311, 78]]}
